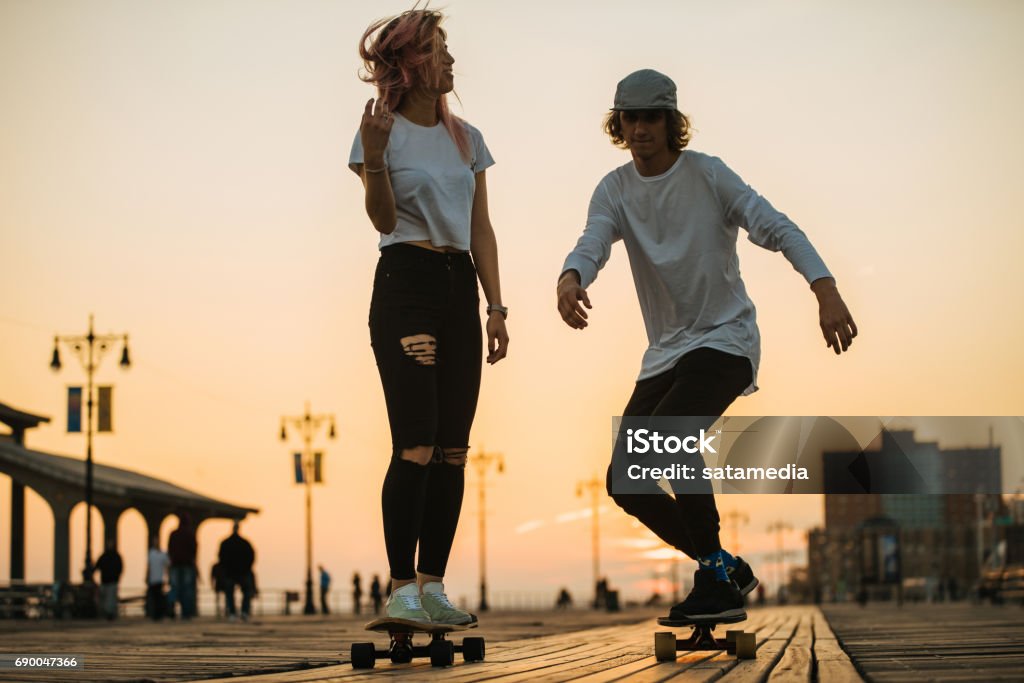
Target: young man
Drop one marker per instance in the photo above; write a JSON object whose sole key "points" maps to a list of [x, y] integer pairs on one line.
{"points": [[110, 568], [156, 568], [678, 213], [182, 549], [236, 558]]}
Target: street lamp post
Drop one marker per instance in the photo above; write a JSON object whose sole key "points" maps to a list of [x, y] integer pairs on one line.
{"points": [[594, 485], [734, 518], [308, 426], [483, 461], [779, 527], [90, 349]]}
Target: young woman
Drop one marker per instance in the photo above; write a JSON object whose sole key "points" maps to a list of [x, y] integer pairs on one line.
{"points": [[423, 171]]}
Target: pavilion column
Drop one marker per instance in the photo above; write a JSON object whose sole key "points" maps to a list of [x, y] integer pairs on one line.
{"points": [[17, 531], [61, 538], [154, 520], [111, 517]]}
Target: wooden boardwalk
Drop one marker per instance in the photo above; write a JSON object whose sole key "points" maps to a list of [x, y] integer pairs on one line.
{"points": [[794, 644], [944, 642]]}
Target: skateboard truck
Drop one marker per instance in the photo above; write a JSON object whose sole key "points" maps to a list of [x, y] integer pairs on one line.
{"points": [[666, 645]]}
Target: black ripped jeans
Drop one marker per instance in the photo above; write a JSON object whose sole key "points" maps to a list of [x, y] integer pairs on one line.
{"points": [[425, 331], [703, 383]]}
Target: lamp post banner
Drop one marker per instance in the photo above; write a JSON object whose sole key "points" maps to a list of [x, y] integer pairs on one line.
{"points": [[74, 409], [300, 475], [104, 416]]}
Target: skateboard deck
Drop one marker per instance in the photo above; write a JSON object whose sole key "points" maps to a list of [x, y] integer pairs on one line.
{"points": [[739, 643], [387, 625], [668, 621], [401, 649]]}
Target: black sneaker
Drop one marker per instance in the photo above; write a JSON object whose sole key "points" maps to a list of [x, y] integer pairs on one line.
{"points": [[743, 576], [710, 599]]}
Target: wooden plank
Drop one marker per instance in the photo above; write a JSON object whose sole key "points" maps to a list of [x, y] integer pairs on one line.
{"points": [[832, 663], [770, 646], [794, 666]]}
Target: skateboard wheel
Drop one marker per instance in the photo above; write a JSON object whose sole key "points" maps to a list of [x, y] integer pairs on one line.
{"points": [[473, 649], [665, 646], [442, 653], [364, 656], [730, 641], [746, 646]]}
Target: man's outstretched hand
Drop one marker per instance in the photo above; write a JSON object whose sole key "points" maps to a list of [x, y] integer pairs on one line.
{"points": [[570, 294], [837, 324]]}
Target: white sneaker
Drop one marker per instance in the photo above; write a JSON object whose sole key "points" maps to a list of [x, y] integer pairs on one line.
{"points": [[440, 608], [404, 603]]}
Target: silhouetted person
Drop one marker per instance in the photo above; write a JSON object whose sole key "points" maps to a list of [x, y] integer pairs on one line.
{"points": [[564, 599], [217, 581], [156, 567], [375, 594], [325, 587], [110, 567], [600, 594], [357, 592], [181, 548], [236, 559]]}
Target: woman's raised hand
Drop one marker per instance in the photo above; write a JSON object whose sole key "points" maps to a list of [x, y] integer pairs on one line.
{"points": [[374, 132]]}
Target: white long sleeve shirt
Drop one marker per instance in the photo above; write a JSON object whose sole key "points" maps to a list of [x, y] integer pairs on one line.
{"points": [[680, 231]]}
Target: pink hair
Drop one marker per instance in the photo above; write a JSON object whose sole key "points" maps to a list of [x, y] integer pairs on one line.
{"points": [[399, 52]]}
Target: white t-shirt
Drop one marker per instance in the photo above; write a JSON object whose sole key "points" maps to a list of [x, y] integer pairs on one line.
{"points": [[432, 184], [680, 231], [158, 561]]}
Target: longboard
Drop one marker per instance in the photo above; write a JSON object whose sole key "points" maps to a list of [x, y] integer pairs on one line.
{"points": [[401, 649], [388, 625], [739, 643]]}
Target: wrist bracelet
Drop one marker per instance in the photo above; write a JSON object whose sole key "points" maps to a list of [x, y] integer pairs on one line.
{"points": [[375, 170], [498, 308]]}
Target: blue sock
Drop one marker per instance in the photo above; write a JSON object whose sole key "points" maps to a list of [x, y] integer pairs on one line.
{"points": [[716, 563], [730, 561]]}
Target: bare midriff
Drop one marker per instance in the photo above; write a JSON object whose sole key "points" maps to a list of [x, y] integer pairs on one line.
{"points": [[425, 244]]}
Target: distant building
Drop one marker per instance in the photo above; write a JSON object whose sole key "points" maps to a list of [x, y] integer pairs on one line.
{"points": [[937, 532]]}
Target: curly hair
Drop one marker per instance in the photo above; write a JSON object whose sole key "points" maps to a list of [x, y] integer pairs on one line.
{"points": [[677, 125], [401, 52]]}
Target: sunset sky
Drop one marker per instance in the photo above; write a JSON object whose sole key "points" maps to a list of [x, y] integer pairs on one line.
{"points": [[179, 169]]}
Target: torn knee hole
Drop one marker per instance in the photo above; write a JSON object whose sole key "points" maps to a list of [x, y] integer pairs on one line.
{"points": [[422, 348], [455, 457]]}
